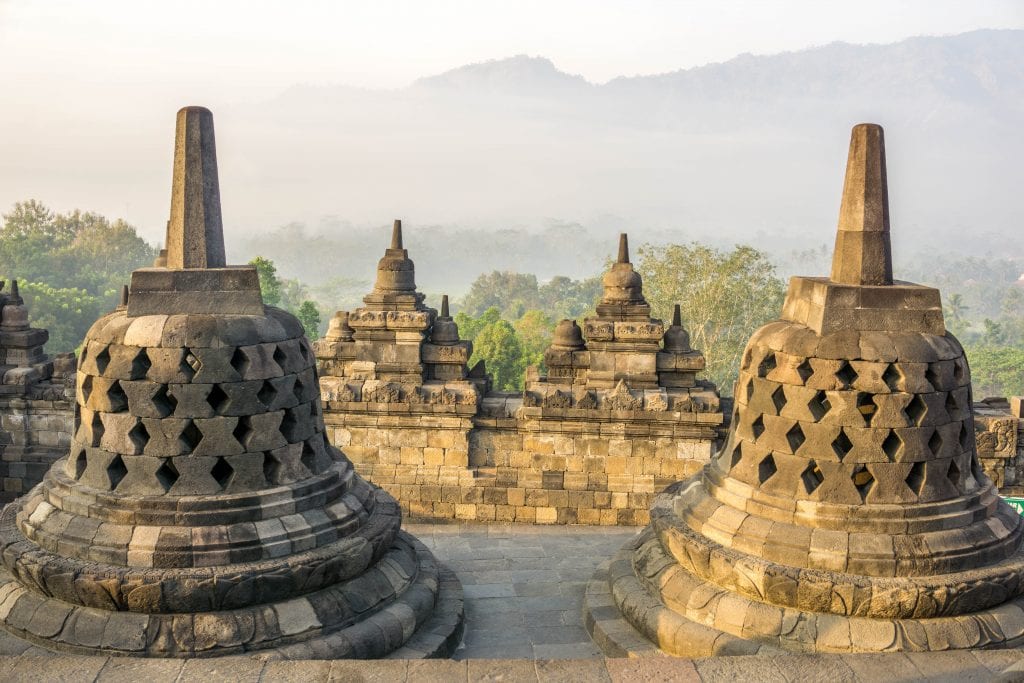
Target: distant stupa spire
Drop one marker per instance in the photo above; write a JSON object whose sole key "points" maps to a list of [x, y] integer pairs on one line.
{"points": [[623, 249], [396, 235]]}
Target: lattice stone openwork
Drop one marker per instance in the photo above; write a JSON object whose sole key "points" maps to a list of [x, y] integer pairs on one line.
{"points": [[201, 510], [847, 510]]}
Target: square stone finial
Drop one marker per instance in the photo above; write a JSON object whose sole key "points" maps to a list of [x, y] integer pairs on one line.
{"points": [[860, 293], [195, 233], [192, 276], [863, 255]]}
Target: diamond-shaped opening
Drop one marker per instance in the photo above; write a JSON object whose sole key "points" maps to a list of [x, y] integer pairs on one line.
{"points": [[97, 430], [953, 473], [960, 371], [795, 437], [846, 374], [842, 445], [103, 360], [915, 478], [217, 399], [222, 472], [299, 390], [812, 477], [892, 377], [891, 446], [288, 425], [768, 364], [965, 437], [86, 388], [304, 350], [117, 398], [271, 468], [164, 402], [819, 405], [779, 399], [280, 357], [116, 471], [139, 436], [141, 364], [167, 474], [863, 480], [952, 407], [308, 457], [757, 427], [243, 431], [932, 376], [267, 393], [191, 436], [915, 410], [766, 469], [189, 365], [935, 442], [735, 456], [805, 370], [80, 463], [240, 361], [750, 389], [866, 406]]}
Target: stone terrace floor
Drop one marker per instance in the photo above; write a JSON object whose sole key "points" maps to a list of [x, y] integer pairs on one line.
{"points": [[523, 584]]}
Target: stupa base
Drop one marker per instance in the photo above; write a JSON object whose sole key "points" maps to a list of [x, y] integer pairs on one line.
{"points": [[407, 606], [626, 618]]}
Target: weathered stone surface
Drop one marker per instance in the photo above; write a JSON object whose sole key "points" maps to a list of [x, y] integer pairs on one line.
{"points": [[847, 510], [201, 510]]}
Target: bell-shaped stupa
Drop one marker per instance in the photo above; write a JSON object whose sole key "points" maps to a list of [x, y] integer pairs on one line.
{"points": [[202, 510], [847, 511]]}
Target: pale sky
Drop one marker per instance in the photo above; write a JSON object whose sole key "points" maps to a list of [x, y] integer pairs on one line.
{"points": [[89, 88], [203, 47]]}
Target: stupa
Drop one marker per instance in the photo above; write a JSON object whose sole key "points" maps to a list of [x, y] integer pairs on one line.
{"points": [[201, 510], [847, 511]]}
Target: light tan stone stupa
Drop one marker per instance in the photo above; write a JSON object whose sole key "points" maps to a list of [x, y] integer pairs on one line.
{"points": [[201, 510], [847, 511]]}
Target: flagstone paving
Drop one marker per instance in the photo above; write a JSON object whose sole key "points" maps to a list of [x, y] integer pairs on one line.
{"points": [[523, 585]]}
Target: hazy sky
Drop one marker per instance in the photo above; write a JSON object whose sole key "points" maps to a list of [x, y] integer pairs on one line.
{"points": [[202, 47], [89, 89]]}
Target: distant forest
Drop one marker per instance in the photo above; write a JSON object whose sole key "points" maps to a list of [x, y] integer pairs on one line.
{"points": [[70, 268]]}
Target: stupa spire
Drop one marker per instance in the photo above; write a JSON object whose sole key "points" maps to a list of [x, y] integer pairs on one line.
{"points": [[623, 249], [677, 318], [396, 234], [195, 233], [863, 255], [444, 306]]}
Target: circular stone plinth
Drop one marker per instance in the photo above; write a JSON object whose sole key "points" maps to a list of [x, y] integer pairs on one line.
{"points": [[407, 605]]}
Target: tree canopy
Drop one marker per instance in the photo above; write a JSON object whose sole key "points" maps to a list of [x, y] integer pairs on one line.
{"points": [[69, 267], [723, 297]]}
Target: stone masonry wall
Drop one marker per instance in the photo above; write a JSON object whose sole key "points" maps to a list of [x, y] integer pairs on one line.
{"points": [[34, 433], [519, 464]]}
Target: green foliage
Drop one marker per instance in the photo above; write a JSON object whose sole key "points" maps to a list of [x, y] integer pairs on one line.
{"points": [[534, 330], [270, 283], [723, 295], [513, 294], [499, 346], [996, 370], [469, 327], [66, 312], [309, 316], [70, 267]]}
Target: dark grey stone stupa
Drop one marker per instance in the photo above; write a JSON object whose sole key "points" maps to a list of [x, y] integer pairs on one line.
{"points": [[202, 510]]}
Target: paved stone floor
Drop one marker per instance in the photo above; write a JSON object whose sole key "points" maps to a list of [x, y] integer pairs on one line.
{"points": [[523, 584]]}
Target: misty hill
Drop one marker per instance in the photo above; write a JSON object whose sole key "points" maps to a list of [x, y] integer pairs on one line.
{"points": [[751, 150]]}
